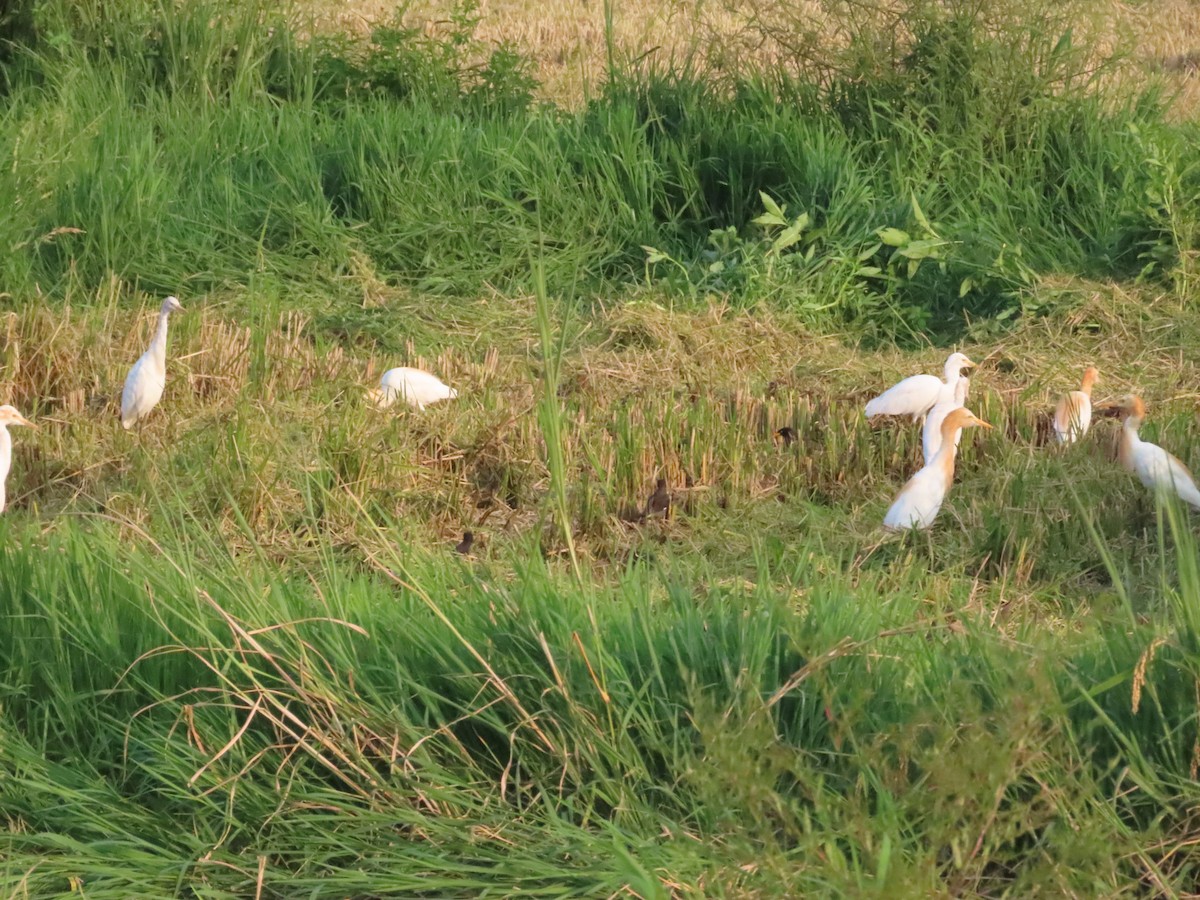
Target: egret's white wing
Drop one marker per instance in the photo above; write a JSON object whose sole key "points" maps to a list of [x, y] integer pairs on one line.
{"points": [[143, 389], [415, 387], [1156, 468], [914, 396]]}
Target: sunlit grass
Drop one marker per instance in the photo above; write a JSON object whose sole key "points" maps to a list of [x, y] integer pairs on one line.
{"points": [[239, 655]]}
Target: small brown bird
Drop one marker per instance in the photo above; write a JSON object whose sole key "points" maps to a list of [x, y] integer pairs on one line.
{"points": [[464, 546], [659, 503], [787, 434]]}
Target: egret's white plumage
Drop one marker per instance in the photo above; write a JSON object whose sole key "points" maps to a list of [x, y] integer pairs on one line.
{"points": [[1074, 412], [917, 395], [145, 382], [8, 416], [918, 503], [931, 435], [1155, 467], [415, 387]]}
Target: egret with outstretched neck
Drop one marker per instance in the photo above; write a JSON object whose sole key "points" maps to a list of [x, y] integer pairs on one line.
{"points": [[1074, 412], [918, 503], [8, 416], [931, 433], [415, 387], [1155, 467], [917, 395], [146, 380]]}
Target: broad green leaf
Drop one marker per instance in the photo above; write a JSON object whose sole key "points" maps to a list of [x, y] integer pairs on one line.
{"points": [[921, 249], [770, 205], [893, 237], [768, 218]]}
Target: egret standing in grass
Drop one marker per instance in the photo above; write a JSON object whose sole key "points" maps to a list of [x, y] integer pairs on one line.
{"points": [[415, 387], [1074, 412], [1155, 467], [931, 434], [8, 416], [145, 382], [917, 504], [917, 395]]}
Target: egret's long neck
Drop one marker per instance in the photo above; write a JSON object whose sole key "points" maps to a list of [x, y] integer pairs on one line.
{"points": [[1129, 441], [960, 390], [943, 460], [951, 373], [5, 452], [5, 461], [158, 345]]}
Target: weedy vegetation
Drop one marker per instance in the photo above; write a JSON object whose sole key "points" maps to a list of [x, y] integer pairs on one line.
{"points": [[239, 654]]}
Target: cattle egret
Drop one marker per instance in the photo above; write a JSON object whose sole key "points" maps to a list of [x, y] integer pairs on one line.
{"points": [[917, 504], [659, 503], [8, 416], [414, 386], [1074, 412], [917, 395], [931, 434], [1155, 467], [145, 382]]}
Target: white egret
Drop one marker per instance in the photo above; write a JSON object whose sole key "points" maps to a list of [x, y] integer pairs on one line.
{"points": [[917, 395], [917, 504], [8, 416], [931, 434], [145, 382], [1155, 467], [1074, 412], [414, 386]]}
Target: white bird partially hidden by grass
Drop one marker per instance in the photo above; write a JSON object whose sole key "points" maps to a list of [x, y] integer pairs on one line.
{"points": [[918, 503], [1155, 467], [145, 382], [8, 416], [917, 395], [931, 434], [1074, 412], [415, 387]]}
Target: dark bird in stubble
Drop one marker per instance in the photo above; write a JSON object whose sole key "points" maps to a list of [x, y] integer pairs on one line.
{"points": [[659, 503], [464, 546]]}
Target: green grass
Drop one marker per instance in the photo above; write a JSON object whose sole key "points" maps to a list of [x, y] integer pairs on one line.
{"points": [[239, 656]]}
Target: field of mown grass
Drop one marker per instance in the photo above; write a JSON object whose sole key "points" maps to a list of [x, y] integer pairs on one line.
{"points": [[239, 656]]}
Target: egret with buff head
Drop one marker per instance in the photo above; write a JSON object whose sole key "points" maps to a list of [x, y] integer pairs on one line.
{"points": [[1073, 415], [918, 503], [1155, 467]]}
